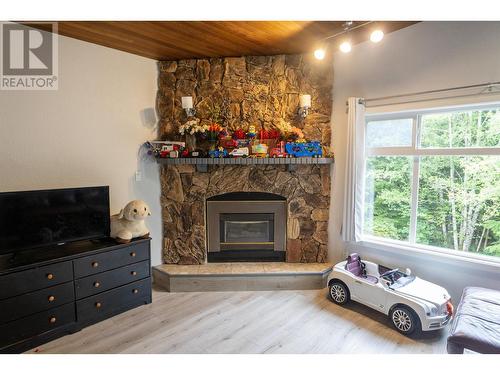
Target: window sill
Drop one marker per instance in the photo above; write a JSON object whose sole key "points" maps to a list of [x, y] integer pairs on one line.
{"points": [[398, 247]]}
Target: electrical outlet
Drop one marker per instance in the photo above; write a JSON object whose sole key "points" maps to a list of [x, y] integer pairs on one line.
{"points": [[138, 176]]}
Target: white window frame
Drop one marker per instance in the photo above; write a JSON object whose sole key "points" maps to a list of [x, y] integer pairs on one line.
{"points": [[416, 152]]}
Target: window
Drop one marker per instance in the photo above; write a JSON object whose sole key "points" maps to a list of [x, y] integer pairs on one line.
{"points": [[433, 178]]}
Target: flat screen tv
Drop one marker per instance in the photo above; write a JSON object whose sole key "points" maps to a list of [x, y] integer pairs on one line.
{"points": [[31, 219]]}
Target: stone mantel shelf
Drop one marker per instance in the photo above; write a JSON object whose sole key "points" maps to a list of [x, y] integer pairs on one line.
{"points": [[203, 163]]}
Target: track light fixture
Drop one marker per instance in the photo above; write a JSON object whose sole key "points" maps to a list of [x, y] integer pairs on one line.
{"points": [[345, 47], [320, 53], [375, 36]]}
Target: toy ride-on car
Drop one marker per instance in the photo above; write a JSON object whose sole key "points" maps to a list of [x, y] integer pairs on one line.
{"points": [[412, 304]]}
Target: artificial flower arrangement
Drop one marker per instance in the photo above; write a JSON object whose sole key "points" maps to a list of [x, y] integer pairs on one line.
{"points": [[193, 127], [270, 134], [214, 131], [290, 132]]}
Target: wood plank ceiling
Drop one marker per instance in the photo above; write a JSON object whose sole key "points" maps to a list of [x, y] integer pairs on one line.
{"points": [[173, 40]]}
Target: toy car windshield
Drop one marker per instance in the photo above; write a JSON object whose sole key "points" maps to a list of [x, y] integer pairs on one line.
{"points": [[396, 278]]}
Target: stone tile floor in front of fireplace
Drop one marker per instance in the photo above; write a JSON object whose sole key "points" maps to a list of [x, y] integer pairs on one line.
{"points": [[246, 322]]}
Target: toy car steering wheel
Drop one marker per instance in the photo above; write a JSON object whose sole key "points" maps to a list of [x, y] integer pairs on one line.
{"points": [[389, 274]]}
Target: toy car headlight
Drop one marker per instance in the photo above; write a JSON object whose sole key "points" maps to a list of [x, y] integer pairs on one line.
{"points": [[434, 311]]}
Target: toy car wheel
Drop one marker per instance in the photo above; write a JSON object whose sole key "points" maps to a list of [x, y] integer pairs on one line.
{"points": [[339, 293], [405, 320]]}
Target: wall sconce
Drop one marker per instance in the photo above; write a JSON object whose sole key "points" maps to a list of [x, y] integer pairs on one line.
{"points": [[304, 105], [187, 105]]}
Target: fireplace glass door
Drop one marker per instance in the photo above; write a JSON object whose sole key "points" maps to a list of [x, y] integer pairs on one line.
{"points": [[246, 231]]}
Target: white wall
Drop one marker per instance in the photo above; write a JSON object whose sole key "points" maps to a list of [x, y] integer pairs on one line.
{"points": [[425, 56], [86, 133]]}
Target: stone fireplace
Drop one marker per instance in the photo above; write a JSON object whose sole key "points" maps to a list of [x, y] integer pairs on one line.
{"points": [[246, 226], [254, 90], [185, 192]]}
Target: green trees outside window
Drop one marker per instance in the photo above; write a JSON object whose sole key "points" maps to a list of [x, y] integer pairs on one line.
{"points": [[450, 177]]}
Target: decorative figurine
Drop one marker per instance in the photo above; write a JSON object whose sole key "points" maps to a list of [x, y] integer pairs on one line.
{"points": [[251, 132], [129, 223]]}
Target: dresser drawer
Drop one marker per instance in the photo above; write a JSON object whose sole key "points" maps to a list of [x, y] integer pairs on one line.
{"points": [[35, 324], [34, 279], [30, 303], [101, 282], [103, 305], [112, 259]]}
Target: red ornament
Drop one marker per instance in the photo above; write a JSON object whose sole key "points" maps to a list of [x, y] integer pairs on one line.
{"points": [[239, 134]]}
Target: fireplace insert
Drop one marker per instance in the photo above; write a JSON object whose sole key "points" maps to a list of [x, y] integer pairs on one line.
{"points": [[246, 226]]}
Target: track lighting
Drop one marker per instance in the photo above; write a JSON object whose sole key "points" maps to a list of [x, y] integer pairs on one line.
{"points": [[345, 47], [376, 36], [320, 53]]}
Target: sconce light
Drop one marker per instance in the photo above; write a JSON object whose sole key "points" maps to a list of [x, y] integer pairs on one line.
{"points": [[187, 105], [305, 104]]}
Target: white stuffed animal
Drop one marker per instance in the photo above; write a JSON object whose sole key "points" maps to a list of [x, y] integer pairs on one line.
{"points": [[129, 223]]}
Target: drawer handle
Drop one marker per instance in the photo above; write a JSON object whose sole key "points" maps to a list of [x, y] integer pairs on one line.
{"points": [[50, 276], [97, 284], [52, 320], [95, 264], [133, 254], [135, 291], [133, 273], [98, 305], [51, 298]]}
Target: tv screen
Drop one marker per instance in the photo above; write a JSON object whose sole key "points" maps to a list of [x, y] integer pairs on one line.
{"points": [[45, 217]]}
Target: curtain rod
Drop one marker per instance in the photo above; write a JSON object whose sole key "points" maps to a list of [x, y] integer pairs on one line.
{"points": [[489, 85]]}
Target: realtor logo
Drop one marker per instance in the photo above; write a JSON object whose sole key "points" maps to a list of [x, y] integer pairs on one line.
{"points": [[28, 56]]}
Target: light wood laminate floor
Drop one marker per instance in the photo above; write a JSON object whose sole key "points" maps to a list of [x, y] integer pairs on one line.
{"points": [[245, 322]]}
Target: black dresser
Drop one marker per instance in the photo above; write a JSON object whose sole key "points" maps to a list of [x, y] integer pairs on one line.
{"points": [[46, 293]]}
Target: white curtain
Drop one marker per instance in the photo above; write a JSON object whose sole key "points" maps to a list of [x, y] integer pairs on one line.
{"points": [[352, 224]]}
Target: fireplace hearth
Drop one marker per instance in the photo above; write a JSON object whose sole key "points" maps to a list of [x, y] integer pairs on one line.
{"points": [[246, 226]]}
